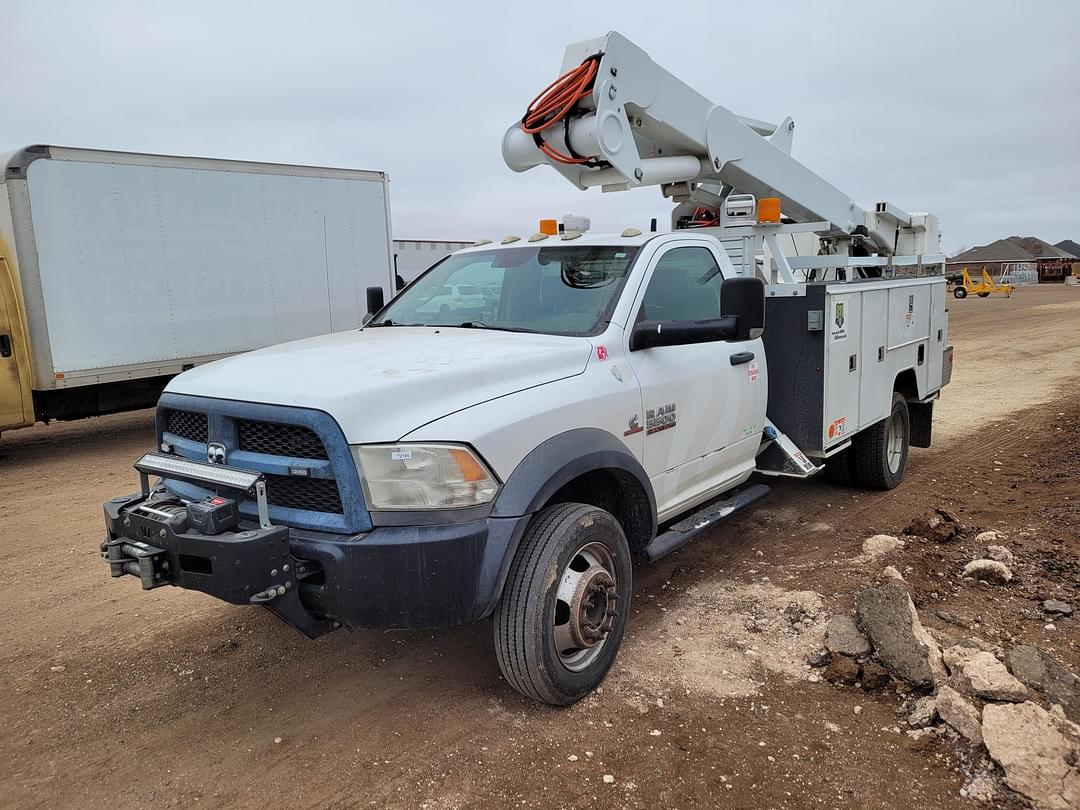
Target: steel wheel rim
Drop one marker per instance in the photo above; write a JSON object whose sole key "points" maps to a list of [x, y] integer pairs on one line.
{"points": [[585, 606], [895, 442]]}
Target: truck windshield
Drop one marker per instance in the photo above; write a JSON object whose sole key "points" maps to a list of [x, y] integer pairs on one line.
{"points": [[554, 290]]}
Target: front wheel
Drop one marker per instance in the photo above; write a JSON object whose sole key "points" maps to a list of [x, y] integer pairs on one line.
{"points": [[880, 453], [561, 618], [959, 292]]}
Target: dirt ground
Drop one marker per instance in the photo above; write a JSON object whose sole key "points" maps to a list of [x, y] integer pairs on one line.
{"points": [[114, 697]]}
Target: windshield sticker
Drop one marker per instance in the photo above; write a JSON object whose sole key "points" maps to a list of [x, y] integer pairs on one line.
{"points": [[662, 418], [634, 426], [837, 330]]}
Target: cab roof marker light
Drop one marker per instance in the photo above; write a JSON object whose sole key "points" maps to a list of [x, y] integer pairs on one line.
{"points": [[631, 232], [568, 235], [538, 237], [509, 240], [479, 242]]}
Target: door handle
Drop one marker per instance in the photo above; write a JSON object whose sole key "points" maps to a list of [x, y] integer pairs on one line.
{"points": [[739, 358], [5, 345]]}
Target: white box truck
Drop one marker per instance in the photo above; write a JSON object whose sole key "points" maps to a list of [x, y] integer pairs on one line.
{"points": [[120, 270]]}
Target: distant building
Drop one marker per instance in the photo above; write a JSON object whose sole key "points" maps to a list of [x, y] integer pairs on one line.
{"points": [[1069, 246], [1016, 253]]}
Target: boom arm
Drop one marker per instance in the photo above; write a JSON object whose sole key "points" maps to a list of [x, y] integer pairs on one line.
{"points": [[640, 125]]}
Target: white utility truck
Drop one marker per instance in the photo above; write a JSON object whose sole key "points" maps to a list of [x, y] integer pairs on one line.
{"points": [[606, 397], [120, 270]]}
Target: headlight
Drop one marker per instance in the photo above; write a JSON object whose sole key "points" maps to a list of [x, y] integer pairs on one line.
{"points": [[423, 476]]}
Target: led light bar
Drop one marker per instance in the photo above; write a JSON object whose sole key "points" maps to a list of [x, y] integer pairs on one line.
{"points": [[199, 472]]}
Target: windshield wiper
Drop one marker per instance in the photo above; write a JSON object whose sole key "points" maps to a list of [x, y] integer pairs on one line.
{"points": [[482, 325]]}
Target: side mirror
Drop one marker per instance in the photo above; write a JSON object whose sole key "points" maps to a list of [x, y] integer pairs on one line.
{"points": [[375, 300], [744, 299], [647, 334]]}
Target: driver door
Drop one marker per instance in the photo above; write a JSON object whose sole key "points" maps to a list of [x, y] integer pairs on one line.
{"points": [[703, 403]]}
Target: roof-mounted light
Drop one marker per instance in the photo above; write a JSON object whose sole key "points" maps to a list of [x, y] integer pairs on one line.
{"points": [[509, 240], [538, 237], [631, 232], [479, 242]]}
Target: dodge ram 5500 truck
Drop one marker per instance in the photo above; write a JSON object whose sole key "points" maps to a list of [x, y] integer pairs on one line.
{"points": [[600, 398]]}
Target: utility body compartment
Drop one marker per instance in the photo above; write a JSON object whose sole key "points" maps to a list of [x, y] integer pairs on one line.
{"points": [[837, 350]]}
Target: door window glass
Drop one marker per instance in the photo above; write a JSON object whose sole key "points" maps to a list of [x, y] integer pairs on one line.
{"points": [[685, 286]]}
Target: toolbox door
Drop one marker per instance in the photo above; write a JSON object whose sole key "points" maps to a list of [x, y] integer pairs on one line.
{"points": [[843, 327]]}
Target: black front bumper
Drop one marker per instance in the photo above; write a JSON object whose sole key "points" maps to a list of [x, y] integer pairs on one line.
{"points": [[407, 576]]}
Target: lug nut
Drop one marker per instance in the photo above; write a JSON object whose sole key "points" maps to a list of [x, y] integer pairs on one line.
{"points": [[273, 572]]}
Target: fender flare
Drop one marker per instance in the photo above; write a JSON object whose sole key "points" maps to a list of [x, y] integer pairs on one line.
{"points": [[542, 473]]}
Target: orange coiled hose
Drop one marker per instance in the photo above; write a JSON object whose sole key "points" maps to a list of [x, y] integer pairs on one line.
{"points": [[555, 102]]}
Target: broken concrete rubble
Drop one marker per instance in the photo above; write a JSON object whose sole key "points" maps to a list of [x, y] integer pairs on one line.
{"points": [[1039, 671], [992, 571], [999, 553], [1038, 752], [924, 713], [888, 617], [842, 637], [958, 712], [984, 676], [880, 544]]}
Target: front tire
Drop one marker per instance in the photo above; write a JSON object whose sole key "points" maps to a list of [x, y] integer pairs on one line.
{"points": [[879, 454], [561, 618]]}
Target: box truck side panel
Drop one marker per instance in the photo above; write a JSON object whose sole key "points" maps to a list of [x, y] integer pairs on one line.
{"points": [[148, 264]]}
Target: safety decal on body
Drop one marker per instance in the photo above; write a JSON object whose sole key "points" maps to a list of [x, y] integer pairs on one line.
{"points": [[838, 332], [752, 372], [837, 427]]}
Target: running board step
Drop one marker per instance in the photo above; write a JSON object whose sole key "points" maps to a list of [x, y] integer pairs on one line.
{"points": [[681, 533], [781, 457]]}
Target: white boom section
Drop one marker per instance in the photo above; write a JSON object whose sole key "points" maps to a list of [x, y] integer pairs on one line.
{"points": [[654, 129]]}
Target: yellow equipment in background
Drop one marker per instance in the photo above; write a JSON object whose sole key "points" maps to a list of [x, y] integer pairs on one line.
{"points": [[982, 289]]}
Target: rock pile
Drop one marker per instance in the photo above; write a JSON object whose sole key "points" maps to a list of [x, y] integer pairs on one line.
{"points": [[1024, 706]]}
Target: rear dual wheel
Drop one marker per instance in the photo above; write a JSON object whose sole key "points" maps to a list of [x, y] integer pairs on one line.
{"points": [[878, 455], [561, 619]]}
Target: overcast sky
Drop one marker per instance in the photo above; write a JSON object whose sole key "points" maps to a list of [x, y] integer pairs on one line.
{"points": [[970, 110]]}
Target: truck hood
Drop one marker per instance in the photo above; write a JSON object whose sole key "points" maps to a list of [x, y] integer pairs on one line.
{"points": [[382, 383]]}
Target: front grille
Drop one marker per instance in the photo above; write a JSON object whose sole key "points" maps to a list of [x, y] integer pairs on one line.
{"points": [[187, 425], [296, 492], [276, 439]]}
